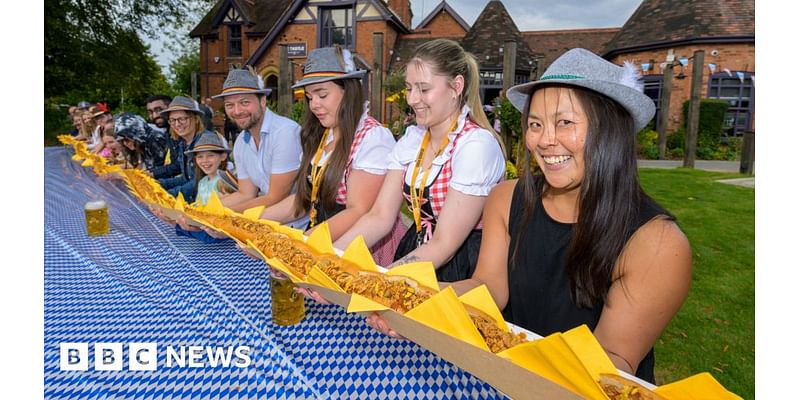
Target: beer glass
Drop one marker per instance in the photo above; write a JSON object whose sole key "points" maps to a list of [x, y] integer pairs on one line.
{"points": [[96, 218], [288, 307]]}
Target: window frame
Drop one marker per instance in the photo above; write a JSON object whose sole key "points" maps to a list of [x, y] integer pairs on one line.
{"points": [[232, 40], [324, 32], [719, 81]]}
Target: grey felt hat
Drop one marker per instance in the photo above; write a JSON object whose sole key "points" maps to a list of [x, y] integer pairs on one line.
{"points": [[209, 141], [323, 65], [242, 81], [581, 67], [182, 103]]}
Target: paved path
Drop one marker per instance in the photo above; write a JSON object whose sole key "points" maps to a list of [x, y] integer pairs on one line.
{"points": [[706, 165]]}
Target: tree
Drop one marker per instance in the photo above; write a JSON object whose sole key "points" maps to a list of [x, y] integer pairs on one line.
{"points": [[181, 70], [93, 48]]}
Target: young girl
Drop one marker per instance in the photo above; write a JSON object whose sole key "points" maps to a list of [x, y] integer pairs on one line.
{"points": [[210, 154], [345, 151]]}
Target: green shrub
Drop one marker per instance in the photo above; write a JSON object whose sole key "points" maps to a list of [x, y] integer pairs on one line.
{"points": [[510, 117], [647, 141], [511, 170], [676, 140], [676, 153], [296, 113], [709, 127]]}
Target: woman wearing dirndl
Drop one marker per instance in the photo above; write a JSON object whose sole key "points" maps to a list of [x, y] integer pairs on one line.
{"points": [[345, 151], [443, 167]]}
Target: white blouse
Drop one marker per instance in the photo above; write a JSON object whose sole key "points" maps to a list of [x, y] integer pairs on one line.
{"points": [[372, 154], [478, 162]]}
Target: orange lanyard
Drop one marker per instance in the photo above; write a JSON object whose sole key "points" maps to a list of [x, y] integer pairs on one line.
{"points": [[417, 192], [316, 175]]}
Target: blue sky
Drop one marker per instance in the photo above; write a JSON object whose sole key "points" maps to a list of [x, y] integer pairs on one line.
{"points": [[527, 14]]}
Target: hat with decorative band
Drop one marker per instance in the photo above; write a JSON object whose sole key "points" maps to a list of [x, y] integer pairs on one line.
{"points": [[582, 68], [182, 103], [242, 81], [328, 64], [209, 141]]}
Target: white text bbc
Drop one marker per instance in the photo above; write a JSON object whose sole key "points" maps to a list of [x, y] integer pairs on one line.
{"points": [[144, 356]]}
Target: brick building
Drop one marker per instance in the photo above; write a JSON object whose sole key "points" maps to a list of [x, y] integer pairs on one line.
{"points": [[660, 30], [249, 32], [235, 33]]}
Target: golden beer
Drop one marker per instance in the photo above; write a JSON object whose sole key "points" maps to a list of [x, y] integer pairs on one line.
{"points": [[96, 218], [288, 307]]}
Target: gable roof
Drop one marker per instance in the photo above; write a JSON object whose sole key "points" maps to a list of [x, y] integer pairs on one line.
{"points": [[553, 43], [288, 13], [488, 35], [259, 16], [662, 23], [443, 6]]}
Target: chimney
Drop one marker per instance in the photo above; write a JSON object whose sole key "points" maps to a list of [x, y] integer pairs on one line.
{"points": [[403, 9]]}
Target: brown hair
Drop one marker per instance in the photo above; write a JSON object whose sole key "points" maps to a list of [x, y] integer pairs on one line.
{"points": [[350, 110], [199, 125], [449, 59]]}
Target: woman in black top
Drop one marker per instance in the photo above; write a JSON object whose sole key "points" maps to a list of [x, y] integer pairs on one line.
{"points": [[578, 241]]}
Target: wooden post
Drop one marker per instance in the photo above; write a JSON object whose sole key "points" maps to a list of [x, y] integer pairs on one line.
{"points": [[748, 153], [284, 82], [694, 110], [538, 69], [509, 75], [194, 85], [663, 114], [376, 102]]}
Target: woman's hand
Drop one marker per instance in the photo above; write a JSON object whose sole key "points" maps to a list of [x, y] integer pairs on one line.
{"points": [[157, 212], [214, 234], [312, 294], [185, 225], [382, 326]]}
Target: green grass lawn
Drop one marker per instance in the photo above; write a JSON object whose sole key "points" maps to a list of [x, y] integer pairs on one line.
{"points": [[715, 330]]}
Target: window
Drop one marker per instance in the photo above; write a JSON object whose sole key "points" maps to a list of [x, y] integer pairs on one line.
{"points": [[653, 85], [234, 40], [740, 94], [336, 27]]}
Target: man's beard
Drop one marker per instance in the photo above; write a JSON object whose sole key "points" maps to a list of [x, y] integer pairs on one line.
{"points": [[161, 123], [250, 123]]}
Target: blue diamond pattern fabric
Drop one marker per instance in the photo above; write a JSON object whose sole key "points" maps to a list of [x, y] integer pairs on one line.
{"points": [[143, 283]]}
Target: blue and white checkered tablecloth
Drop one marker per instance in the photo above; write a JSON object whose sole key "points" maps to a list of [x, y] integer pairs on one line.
{"points": [[143, 283]]}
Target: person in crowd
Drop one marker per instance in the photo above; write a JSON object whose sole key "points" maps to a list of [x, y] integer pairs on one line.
{"points": [[142, 146], [88, 126], [100, 117], [443, 167], [71, 111], [208, 117], [210, 154], [112, 150], [155, 104], [578, 241], [344, 149], [267, 152], [84, 105], [186, 123], [77, 124]]}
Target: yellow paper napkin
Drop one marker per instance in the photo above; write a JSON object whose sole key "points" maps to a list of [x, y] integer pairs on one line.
{"points": [[480, 299], [697, 387], [358, 253], [446, 314]]}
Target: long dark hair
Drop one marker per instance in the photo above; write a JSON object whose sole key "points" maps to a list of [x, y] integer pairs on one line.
{"points": [[350, 110], [609, 201]]}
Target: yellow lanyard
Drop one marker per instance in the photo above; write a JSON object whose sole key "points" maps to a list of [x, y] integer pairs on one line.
{"points": [[417, 192], [316, 175]]}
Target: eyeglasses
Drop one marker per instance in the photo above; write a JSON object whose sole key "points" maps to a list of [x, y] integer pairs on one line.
{"points": [[182, 120], [155, 110]]}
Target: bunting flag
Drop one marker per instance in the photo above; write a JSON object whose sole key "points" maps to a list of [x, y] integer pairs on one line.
{"points": [[753, 79], [645, 66], [740, 74], [712, 67], [727, 71], [684, 61]]}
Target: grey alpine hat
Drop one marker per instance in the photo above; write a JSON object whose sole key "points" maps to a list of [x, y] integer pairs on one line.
{"points": [[581, 67], [182, 103], [242, 81], [209, 141], [324, 64]]}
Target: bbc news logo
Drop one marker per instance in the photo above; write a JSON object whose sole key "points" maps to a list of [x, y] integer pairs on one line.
{"points": [[145, 356]]}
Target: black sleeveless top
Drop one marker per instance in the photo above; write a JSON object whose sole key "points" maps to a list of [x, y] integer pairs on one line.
{"points": [[538, 286], [322, 213]]}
